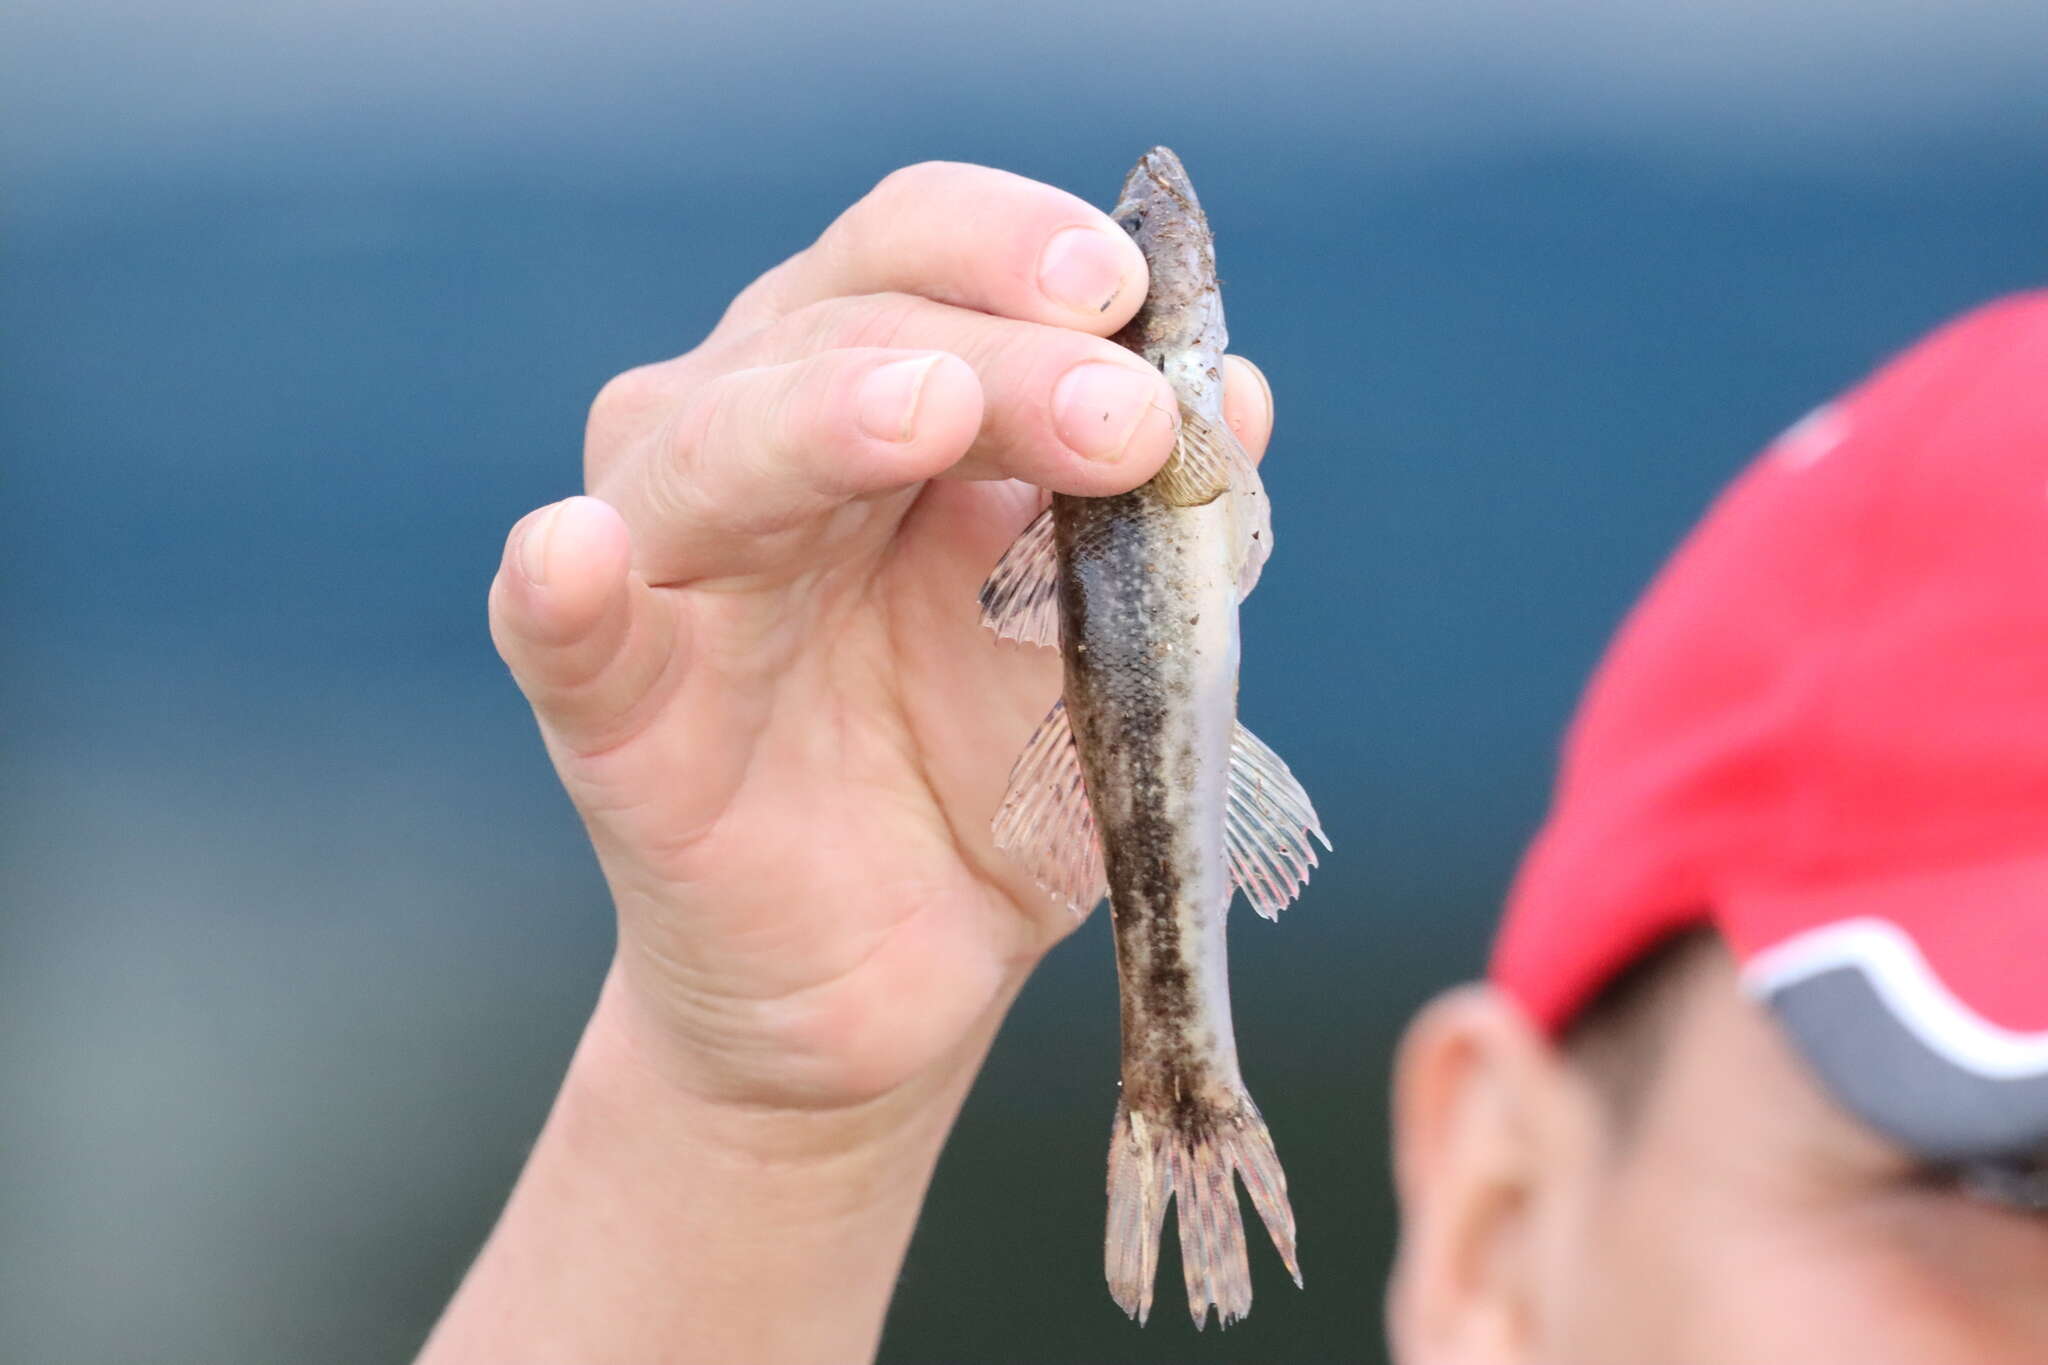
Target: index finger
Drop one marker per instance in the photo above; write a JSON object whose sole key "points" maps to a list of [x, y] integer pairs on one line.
{"points": [[970, 236]]}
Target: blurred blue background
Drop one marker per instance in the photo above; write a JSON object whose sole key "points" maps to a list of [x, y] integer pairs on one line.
{"points": [[301, 307]]}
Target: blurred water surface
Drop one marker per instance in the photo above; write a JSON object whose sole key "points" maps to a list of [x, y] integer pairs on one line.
{"points": [[302, 309]]}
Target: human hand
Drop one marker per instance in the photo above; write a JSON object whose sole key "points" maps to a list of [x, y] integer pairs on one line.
{"points": [[754, 651]]}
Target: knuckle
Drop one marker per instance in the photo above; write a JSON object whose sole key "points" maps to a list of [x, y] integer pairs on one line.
{"points": [[623, 398], [699, 421], [623, 388], [724, 459], [757, 302], [735, 422], [669, 476], [495, 613], [630, 408], [811, 412], [908, 182], [870, 218], [866, 320], [924, 191]]}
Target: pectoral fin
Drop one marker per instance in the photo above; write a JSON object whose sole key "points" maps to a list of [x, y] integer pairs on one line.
{"points": [[1046, 821], [1021, 601], [1208, 462], [1199, 470], [1267, 826]]}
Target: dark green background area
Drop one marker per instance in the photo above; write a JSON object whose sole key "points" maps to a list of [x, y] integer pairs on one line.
{"points": [[296, 931]]}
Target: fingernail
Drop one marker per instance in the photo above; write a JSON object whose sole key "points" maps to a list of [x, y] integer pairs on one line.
{"points": [[1098, 408], [1082, 269], [887, 405], [533, 545]]}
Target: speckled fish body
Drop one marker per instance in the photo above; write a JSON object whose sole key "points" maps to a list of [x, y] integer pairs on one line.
{"points": [[1141, 782]]}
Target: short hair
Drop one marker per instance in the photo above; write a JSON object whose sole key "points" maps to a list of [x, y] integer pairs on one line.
{"points": [[1618, 1040]]}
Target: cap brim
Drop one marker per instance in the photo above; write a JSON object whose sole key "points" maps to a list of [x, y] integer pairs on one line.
{"points": [[1896, 1039]]}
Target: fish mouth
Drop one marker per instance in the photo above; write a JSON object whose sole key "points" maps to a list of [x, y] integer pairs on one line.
{"points": [[1160, 164], [1158, 175]]}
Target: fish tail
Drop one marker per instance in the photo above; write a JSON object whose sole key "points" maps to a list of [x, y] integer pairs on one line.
{"points": [[1155, 1157]]}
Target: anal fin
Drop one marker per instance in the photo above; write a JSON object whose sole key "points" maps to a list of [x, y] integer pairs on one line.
{"points": [[1046, 821], [1267, 825]]}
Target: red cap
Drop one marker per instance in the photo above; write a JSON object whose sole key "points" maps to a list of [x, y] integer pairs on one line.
{"points": [[1824, 732]]}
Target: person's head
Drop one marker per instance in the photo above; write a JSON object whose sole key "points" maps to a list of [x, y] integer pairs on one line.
{"points": [[1760, 1071]]}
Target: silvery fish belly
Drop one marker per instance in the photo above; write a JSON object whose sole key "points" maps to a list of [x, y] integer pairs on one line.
{"points": [[1141, 785]]}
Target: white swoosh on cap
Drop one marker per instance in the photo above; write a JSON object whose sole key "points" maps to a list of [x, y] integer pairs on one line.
{"points": [[1892, 962]]}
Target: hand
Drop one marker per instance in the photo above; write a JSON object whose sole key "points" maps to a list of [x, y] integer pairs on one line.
{"points": [[754, 651]]}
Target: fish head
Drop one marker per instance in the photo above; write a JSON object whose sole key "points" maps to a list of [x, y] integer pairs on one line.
{"points": [[1158, 172], [1158, 207]]}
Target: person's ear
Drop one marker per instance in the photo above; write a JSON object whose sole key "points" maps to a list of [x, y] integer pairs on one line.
{"points": [[1495, 1138]]}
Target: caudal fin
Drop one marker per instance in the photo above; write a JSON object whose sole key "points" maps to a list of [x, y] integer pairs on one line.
{"points": [[1152, 1159]]}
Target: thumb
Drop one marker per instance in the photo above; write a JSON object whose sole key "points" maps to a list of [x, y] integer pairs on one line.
{"points": [[585, 637]]}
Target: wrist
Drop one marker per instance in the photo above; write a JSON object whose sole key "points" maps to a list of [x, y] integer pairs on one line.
{"points": [[654, 1223], [627, 1078]]}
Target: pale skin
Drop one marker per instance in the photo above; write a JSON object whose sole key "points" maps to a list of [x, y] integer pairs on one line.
{"points": [[1741, 1216], [753, 654]]}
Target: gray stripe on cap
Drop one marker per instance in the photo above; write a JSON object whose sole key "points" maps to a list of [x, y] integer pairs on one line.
{"points": [[1883, 1073]]}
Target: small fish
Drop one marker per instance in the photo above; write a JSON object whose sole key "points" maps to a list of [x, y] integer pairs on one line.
{"points": [[1141, 785]]}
